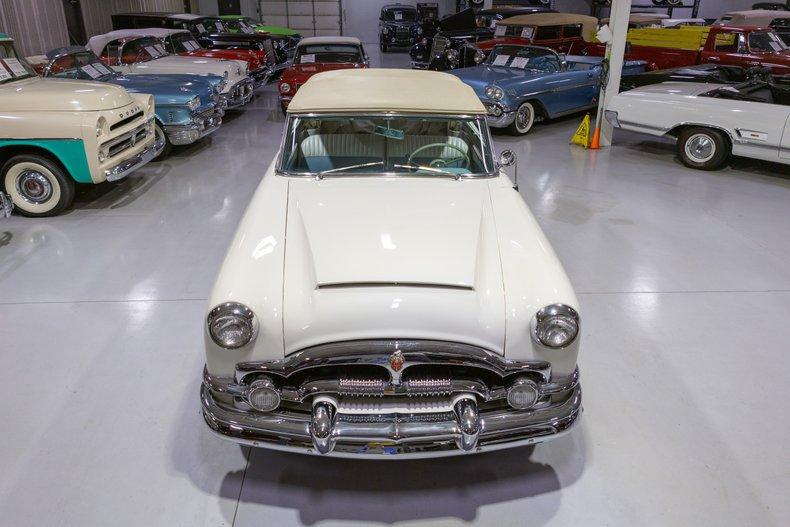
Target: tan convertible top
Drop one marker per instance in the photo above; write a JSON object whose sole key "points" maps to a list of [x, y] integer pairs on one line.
{"points": [[589, 23], [386, 90]]}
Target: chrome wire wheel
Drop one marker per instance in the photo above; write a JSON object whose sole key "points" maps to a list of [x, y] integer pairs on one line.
{"points": [[700, 147], [33, 186], [524, 119]]}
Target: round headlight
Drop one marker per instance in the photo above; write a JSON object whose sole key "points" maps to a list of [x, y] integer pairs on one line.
{"points": [[101, 126], [232, 325], [494, 92], [556, 325], [386, 30], [479, 56], [523, 393], [452, 55], [263, 395], [285, 87], [419, 30]]}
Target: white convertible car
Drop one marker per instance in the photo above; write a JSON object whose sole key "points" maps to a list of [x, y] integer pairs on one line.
{"points": [[709, 121], [388, 292]]}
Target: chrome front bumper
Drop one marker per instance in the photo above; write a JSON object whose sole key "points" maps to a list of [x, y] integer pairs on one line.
{"points": [[239, 94], [403, 417], [419, 65], [199, 127], [503, 120], [5, 205], [128, 166]]}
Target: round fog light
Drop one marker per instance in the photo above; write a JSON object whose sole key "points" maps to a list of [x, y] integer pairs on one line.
{"points": [[523, 394], [263, 395]]}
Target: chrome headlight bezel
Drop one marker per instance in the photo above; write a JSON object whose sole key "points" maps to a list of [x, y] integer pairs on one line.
{"points": [[232, 313], [452, 55], [494, 92], [552, 318], [194, 103], [101, 127], [285, 87], [480, 56]]}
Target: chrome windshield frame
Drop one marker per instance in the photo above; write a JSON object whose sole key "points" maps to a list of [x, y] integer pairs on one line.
{"points": [[481, 118]]}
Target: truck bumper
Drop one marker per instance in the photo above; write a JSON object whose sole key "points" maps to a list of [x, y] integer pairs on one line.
{"points": [[126, 167]]}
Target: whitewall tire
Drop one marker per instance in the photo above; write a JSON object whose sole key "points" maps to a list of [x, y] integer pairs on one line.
{"points": [[703, 148], [37, 185], [525, 119]]}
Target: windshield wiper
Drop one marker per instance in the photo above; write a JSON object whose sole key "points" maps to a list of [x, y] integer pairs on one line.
{"points": [[432, 170], [320, 175]]}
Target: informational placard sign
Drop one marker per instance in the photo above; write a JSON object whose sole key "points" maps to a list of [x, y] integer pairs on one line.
{"points": [[501, 60], [16, 68], [500, 31], [151, 50], [161, 49], [4, 74], [308, 59], [519, 62], [527, 32], [101, 68], [398, 16], [247, 29], [91, 71], [219, 27], [201, 28]]}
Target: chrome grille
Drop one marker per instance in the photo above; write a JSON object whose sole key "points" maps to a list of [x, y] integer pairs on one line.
{"points": [[440, 44], [403, 33], [125, 141]]}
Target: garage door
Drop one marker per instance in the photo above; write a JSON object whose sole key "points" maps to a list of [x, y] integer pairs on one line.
{"points": [[309, 17]]}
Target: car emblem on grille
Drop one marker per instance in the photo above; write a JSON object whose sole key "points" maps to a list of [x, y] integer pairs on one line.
{"points": [[396, 361]]}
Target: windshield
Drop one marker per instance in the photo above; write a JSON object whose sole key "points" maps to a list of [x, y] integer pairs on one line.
{"points": [[12, 66], [400, 15], [765, 42], [84, 65], [184, 42], [524, 57], [328, 53], [142, 50], [375, 144]]}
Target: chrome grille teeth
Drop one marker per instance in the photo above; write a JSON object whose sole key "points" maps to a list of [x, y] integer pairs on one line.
{"points": [[423, 387], [364, 387]]}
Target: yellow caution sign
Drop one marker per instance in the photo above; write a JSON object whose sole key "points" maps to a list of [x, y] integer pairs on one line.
{"points": [[582, 135]]}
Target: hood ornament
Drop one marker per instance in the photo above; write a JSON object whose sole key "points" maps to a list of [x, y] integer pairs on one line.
{"points": [[397, 360]]}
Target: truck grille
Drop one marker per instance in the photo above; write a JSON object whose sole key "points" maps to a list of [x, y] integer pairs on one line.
{"points": [[403, 33], [125, 141], [440, 44]]}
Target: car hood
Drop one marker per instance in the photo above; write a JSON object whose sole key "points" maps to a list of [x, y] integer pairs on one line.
{"points": [[230, 54], [195, 66], [66, 95], [301, 72], [478, 77], [679, 89], [169, 89], [400, 252]]}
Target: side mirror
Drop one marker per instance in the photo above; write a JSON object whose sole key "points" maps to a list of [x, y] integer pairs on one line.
{"points": [[508, 158]]}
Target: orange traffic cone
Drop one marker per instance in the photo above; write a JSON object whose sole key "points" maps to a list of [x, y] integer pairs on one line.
{"points": [[596, 139]]}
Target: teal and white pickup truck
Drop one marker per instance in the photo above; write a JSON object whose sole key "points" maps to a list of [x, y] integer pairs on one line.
{"points": [[59, 132]]}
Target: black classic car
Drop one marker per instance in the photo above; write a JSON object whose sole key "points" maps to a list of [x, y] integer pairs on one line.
{"points": [[398, 26], [448, 43], [427, 11]]}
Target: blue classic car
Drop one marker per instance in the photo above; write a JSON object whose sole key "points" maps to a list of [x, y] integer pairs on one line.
{"points": [[187, 106], [521, 85]]}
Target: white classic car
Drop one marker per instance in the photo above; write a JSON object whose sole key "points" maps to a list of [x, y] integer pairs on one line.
{"points": [[388, 292], [709, 121], [131, 51]]}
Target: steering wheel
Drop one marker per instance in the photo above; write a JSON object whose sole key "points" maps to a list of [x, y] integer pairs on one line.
{"points": [[441, 163]]}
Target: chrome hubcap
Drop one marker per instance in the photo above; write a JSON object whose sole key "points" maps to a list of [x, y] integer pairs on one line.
{"points": [[523, 116], [700, 147], [34, 187]]}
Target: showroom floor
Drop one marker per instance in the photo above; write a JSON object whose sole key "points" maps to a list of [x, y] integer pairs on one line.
{"points": [[685, 289]]}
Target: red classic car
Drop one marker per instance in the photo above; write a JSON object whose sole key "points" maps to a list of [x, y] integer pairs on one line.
{"points": [[562, 32], [316, 55], [182, 42]]}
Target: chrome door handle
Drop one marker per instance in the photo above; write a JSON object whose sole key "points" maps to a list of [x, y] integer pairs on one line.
{"points": [[714, 59]]}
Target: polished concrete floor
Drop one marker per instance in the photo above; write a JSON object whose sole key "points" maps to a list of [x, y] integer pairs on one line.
{"points": [[685, 289]]}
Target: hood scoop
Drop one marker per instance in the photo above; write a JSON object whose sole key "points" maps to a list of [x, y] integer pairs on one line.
{"points": [[380, 232]]}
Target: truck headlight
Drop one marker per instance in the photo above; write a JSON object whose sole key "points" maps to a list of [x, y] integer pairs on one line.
{"points": [[494, 92], [386, 30], [194, 103], [419, 30], [452, 55], [101, 127], [556, 326], [479, 56], [232, 325], [285, 87]]}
